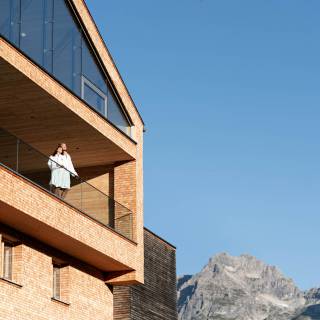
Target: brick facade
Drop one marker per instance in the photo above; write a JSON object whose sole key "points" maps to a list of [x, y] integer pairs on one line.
{"points": [[29, 295], [83, 289]]}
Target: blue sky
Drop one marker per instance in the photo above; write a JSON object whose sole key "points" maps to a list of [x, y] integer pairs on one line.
{"points": [[230, 94]]}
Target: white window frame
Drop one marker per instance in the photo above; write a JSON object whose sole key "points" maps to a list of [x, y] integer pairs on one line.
{"points": [[85, 81]]}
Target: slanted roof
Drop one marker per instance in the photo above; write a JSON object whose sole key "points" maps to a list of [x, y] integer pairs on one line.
{"points": [[104, 57]]}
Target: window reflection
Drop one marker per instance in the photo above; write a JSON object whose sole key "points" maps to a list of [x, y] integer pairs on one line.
{"points": [[14, 32], [5, 18], [93, 97], [91, 71], [115, 115], [48, 36], [66, 48], [31, 32]]}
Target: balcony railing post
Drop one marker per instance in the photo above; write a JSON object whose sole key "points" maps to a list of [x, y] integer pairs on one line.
{"points": [[17, 160]]}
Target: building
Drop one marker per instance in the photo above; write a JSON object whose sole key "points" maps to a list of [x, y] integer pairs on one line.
{"points": [[62, 254]]}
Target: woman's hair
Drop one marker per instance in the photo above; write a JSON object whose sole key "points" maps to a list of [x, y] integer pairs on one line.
{"points": [[56, 150]]}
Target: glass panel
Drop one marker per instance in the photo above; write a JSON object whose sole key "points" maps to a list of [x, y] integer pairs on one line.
{"points": [[91, 70], [33, 165], [74, 195], [7, 261], [48, 34], [123, 221], [66, 48], [56, 282], [115, 114], [14, 34], [96, 204], [93, 98], [32, 29], [8, 154], [5, 17]]}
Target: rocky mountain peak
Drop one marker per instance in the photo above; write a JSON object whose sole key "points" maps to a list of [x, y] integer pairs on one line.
{"points": [[238, 287]]}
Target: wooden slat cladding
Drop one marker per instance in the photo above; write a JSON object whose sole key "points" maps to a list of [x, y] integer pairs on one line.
{"points": [[156, 298], [122, 303]]}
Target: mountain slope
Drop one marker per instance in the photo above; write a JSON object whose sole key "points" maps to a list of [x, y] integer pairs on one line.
{"points": [[242, 288]]}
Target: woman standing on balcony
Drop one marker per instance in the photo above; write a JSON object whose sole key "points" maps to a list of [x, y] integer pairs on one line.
{"points": [[55, 164], [70, 170], [61, 167]]}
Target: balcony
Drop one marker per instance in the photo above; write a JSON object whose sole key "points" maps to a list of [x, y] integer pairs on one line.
{"points": [[32, 165], [87, 224]]}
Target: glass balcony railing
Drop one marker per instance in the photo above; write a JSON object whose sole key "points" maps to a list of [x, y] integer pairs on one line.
{"points": [[33, 165]]}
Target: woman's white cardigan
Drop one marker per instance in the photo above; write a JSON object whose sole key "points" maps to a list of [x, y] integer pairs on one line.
{"points": [[60, 177]]}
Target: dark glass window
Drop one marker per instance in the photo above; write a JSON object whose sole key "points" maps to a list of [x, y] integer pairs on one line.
{"points": [[48, 33], [91, 70], [5, 18], [116, 115], [14, 32], [93, 97], [32, 31], [66, 47]]}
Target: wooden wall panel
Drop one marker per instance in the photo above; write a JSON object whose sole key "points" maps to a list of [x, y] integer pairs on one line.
{"points": [[156, 298]]}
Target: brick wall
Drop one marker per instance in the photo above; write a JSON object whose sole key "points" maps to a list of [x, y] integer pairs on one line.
{"points": [[84, 292], [156, 298], [69, 226]]}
